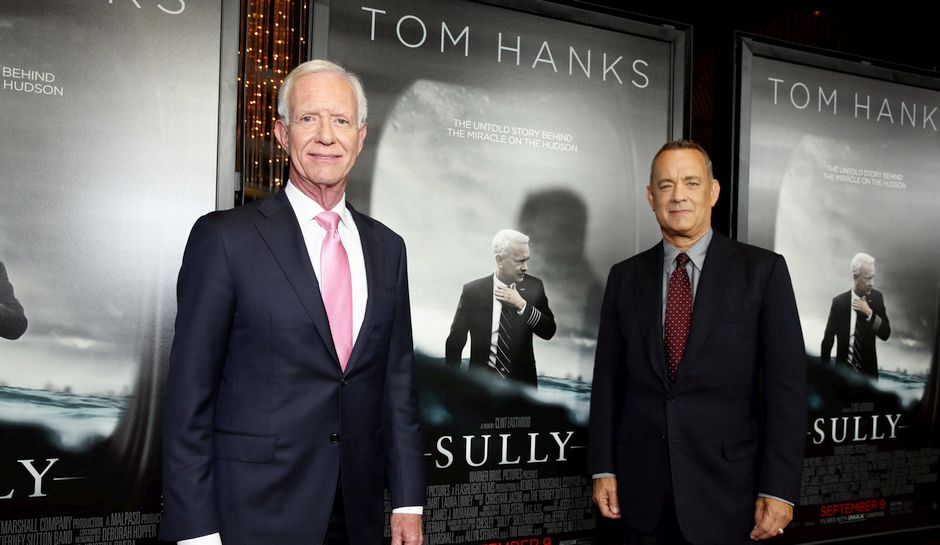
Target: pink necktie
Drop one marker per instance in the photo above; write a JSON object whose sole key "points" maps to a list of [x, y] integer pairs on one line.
{"points": [[336, 285]]}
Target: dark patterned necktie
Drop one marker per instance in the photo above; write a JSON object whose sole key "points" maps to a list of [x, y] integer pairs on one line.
{"points": [[855, 347], [503, 339], [678, 316]]}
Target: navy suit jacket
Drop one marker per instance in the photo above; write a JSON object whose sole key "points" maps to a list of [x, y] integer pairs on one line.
{"points": [[12, 319], [837, 328], [260, 418], [475, 315], [733, 425]]}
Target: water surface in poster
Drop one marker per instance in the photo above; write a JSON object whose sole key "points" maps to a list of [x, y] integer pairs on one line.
{"points": [[108, 143]]}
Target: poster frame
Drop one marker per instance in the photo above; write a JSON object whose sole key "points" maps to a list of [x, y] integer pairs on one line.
{"points": [[750, 46]]}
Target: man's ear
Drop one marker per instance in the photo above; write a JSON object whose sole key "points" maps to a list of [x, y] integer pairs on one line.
{"points": [[282, 134]]}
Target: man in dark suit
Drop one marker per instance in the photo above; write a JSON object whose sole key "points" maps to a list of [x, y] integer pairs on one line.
{"points": [[501, 312], [12, 319], [290, 399], [856, 317], [698, 406]]}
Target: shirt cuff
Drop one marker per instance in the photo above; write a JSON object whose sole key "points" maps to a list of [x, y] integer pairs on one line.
{"points": [[602, 475], [211, 539], [768, 496], [410, 510]]}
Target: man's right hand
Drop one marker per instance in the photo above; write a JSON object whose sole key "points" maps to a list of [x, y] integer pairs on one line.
{"points": [[605, 496]]}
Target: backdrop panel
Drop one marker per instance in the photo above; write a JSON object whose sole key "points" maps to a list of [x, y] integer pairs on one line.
{"points": [[528, 116], [108, 140], [839, 157]]}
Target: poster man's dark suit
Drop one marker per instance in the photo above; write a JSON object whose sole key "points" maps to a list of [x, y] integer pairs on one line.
{"points": [[475, 315], [261, 421], [732, 426], [12, 318], [837, 328]]}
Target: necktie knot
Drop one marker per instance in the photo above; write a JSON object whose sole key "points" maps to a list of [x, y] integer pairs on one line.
{"points": [[328, 220], [682, 260]]}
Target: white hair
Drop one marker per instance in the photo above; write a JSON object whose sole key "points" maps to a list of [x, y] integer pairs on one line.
{"points": [[313, 67], [859, 260], [504, 239]]}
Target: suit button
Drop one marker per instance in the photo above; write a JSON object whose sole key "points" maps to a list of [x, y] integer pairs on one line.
{"points": [[662, 436], [671, 397], [334, 438], [344, 383]]}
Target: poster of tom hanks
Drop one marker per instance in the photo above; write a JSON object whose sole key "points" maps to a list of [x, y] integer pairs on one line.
{"points": [[108, 141], [839, 173], [510, 147]]}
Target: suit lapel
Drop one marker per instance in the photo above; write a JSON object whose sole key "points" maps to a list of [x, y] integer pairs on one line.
{"points": [[649, 295], [374, 258], [281, 233], [711, 289]]}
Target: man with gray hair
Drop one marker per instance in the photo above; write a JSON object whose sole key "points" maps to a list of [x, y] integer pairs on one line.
{"points": [[856, 317], [501, 311], [290, 398]]}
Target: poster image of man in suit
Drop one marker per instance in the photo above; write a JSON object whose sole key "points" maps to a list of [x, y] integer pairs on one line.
{"points": [[501, 312], [290, 399], [856, 318], [698, 405], [12, 318]]}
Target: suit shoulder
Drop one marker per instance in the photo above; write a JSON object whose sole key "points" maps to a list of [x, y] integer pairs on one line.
{"points": [[534, 280], [633, 262], [484, 283], [224, 220], [376, 228], [754, 253]]}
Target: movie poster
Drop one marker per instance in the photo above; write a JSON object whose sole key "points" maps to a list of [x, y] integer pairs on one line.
{"points": [[483, 118], [840, 165], [108, 141]]}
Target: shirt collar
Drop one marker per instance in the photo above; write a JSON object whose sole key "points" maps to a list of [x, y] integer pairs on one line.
{"points": [[696, 252], [306, 209], [497, 283]]}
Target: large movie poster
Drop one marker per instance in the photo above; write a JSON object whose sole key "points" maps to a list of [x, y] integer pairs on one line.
{"points": [[108, 141], [839, 173], [483, 118]]}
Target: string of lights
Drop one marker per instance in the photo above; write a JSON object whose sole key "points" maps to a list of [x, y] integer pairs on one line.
{"points": [[273, 41]]}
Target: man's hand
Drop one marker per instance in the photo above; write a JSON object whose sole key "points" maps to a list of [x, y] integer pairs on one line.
{"points": [[770, 518], [406, 529], [510, 296], [605, 496], [862, 306]]}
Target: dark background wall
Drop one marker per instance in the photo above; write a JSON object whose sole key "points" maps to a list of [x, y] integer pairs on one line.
{"points": [[896, 33]]}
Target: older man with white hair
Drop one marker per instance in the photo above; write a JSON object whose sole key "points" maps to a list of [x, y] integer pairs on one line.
{"points": [[290, 399], [856, 318], [501, 311]]}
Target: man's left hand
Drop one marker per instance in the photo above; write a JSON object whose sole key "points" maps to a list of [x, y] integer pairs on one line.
{"points": [[511, 297], [770, 518], [406, 529]]}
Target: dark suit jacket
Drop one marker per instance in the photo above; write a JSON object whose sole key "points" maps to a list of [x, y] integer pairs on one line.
{"points": [[259, 416], [734, 423], [837, 328], [12, 319], [475, 315]]}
